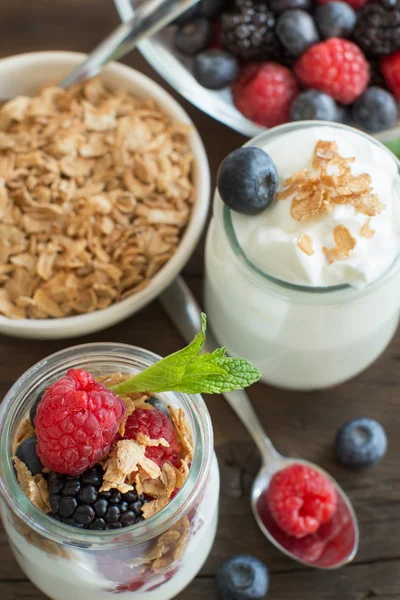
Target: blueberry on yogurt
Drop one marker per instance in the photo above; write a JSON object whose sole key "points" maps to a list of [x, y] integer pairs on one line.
{"points": [[247, 180]]}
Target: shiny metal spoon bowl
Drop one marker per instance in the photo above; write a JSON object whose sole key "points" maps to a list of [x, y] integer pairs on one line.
{"points": [[335, 543]]}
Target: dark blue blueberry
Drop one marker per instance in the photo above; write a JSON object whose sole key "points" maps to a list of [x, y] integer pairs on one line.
{"points": [[84, 514], [375, 110], [312, 104], [335, 19], [113, 526], [136, 507], [130, 497], [55, 502], [71, 486], [115, 497], [92, 476], [32, 412], [242, 577], [192, 38], [247, 180], [279, 6], [297, 31], [70, 521], [360, 443], [97, 524], [26, 452], [56, 482], [128, 518], [215, 69], [112, 515], [101, 507]]}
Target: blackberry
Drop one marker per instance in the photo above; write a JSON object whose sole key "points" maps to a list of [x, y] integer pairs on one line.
{"points": [[77, 501], [378, 29], [249, 31]]}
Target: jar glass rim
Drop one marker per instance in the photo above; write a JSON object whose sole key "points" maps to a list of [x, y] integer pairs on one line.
{"points": [[240, 254], [15, 404]]}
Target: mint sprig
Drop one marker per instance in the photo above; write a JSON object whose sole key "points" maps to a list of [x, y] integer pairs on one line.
{"points": [[190, 372]]}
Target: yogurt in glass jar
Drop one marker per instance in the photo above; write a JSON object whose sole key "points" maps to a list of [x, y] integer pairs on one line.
{"points": [[305, 319], [151, 560]]}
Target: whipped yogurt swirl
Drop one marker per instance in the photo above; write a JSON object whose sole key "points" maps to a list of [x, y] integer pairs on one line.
{"points": [[270, 239]]}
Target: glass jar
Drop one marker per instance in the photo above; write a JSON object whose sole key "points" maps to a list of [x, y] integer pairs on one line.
{"points": [[154, 559], [301, 338]]}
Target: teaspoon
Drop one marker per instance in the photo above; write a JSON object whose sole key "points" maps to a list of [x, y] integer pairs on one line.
{"points": [[335, 543]]}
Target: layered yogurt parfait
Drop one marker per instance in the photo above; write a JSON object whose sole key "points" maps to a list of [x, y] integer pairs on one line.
{"points": [[302, 276], [108, 477]]}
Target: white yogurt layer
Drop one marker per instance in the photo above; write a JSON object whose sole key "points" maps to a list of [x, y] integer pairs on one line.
{"points": [[269, 239]]}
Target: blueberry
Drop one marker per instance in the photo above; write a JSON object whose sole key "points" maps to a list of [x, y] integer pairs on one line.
{"points": [[279, 6], [360, 443], [375, 110], [71, 486], [296, 31], [112, 515], [215, 69], [130, 497], [26, 452], [87, 494], [84, 515], [128, 518], [335, 19], [67, 507], [101, 507], [312, 104], [32, 412], [136, 507], [56, 482], [97, 524], [92, 476], [55, 502], [247, 180], [242, 577], [192, 38], [113, 526], [115, 497]]}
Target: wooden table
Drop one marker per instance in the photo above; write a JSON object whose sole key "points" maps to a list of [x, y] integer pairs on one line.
{"points": [[302, 424]]}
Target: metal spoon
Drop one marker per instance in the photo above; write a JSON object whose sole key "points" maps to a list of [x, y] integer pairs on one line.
{"points": [[334, 544]]}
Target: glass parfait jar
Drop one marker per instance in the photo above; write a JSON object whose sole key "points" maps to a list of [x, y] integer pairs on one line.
{"points": [[154, 559], [300, 337]]}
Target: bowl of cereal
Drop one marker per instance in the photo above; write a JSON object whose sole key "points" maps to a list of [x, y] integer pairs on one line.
{"points": [[104, 192]]}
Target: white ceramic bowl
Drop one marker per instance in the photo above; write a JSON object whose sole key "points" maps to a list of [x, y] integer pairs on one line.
{"points": [[25, 74]]}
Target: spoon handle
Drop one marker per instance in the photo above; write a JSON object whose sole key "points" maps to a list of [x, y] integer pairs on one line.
{"points": [[149, 17], [183, 310]]}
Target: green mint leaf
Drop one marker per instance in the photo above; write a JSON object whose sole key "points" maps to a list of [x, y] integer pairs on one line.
{"points": [[394, 146], [163, 375], [189, 372]]}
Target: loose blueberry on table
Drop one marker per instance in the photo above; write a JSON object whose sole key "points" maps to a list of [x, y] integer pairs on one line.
{"points": [[269, 51]]}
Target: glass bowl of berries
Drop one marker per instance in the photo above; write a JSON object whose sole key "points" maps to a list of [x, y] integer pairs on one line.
{"points": [[254, 64]]}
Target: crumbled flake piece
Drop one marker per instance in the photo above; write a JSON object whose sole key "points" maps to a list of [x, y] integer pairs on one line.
{"points": [[96, 189], [146, 441], [25, 431], [368, 204], [305, 243], [153, 507], [344, 244], [366, 230], [35, 488], [325, 151], [126, 458], [183, 431]]}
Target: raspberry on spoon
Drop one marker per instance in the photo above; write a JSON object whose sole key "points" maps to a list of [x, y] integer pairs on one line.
{"points": [[301, 499], [76, 422], [155, 424]]}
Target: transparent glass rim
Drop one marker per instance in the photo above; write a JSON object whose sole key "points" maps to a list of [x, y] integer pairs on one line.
{"points": [[259, 141], [15, 404]]}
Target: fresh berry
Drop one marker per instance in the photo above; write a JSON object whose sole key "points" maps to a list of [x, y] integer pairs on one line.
{"points": [[192, 38], [249, 32], [375, 110], [263, 93], [378, 29], [356, 4], [26, 452], [360, 443], [242, 577], [247, 180], [77, 501], [336, 67], [155, 424], [76, 422], [215, 69], [279, 6], [335, 19], [301, 499], [312, 104], [390, 66], [296, 31], [33, 410]]}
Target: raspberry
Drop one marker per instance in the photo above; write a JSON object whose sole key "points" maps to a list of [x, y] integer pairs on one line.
{"points": [[336, 67], [356, 4], [76, 422], [155, 424], [301, 499], [390, 67], [264, 93]]}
